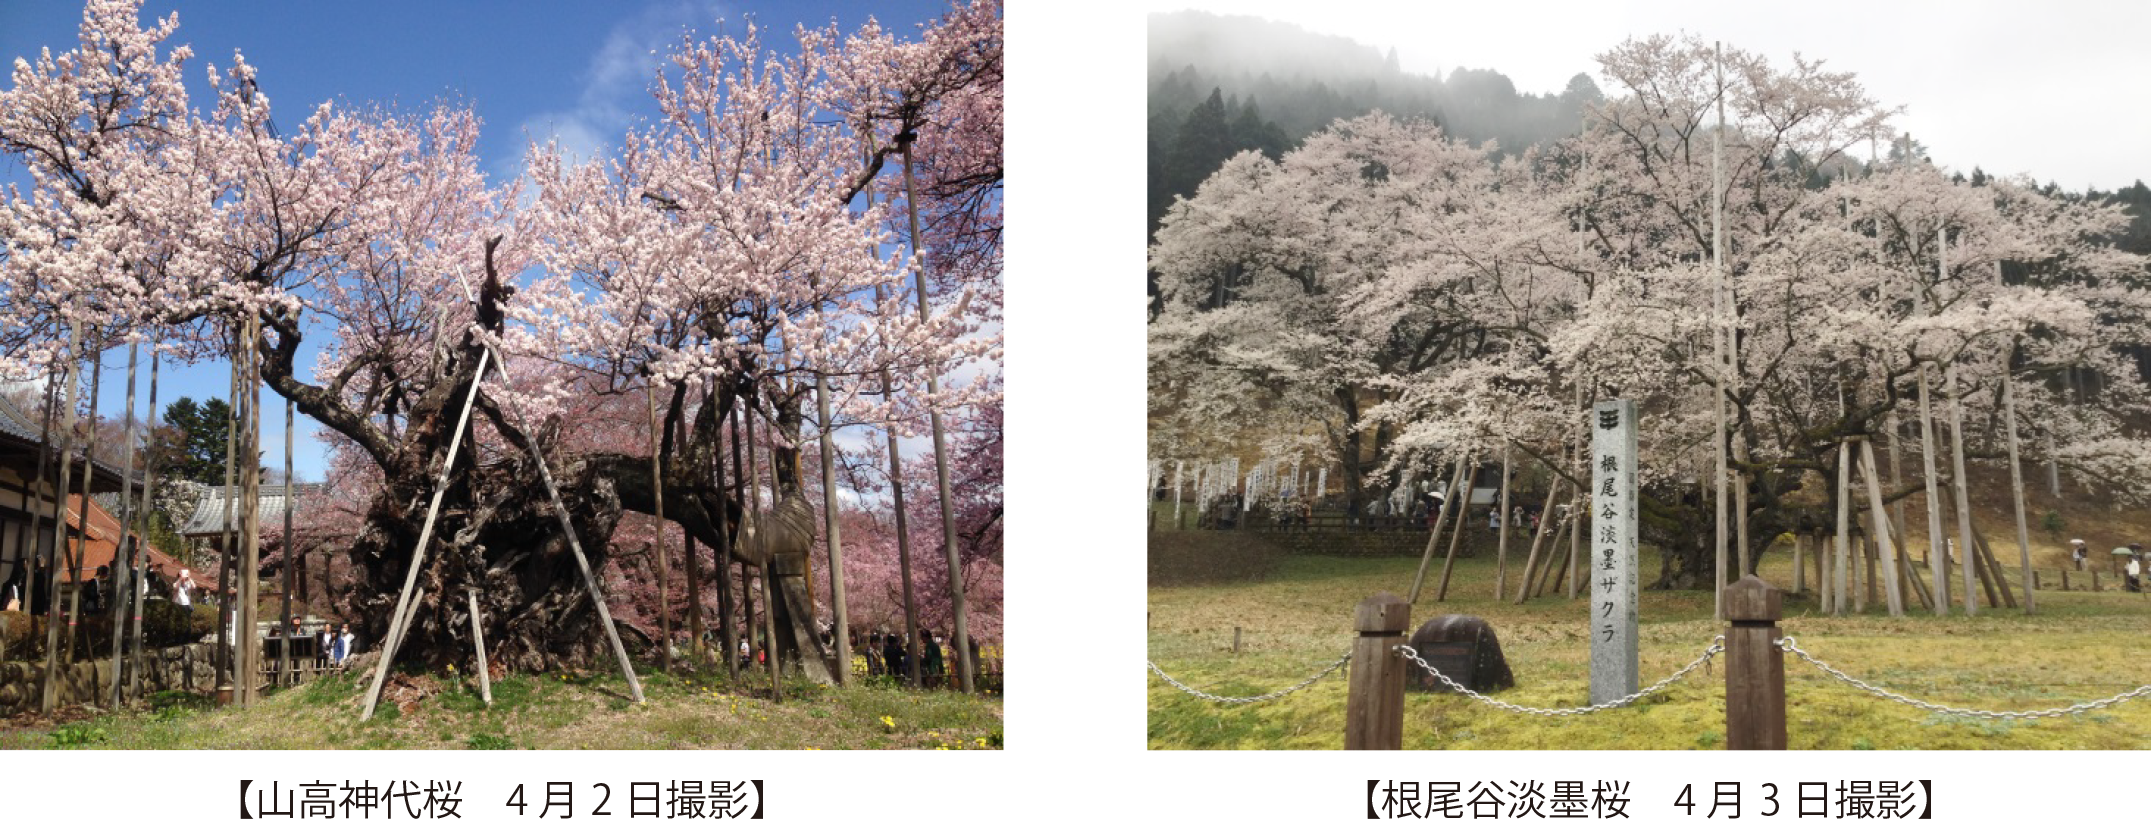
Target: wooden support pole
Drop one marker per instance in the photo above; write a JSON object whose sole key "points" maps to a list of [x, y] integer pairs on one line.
{"points": [[291, 549], [834, 531], [1880, 514], [141, 558], [50, 688], [227, 527], [1374, 705], [1448, 505], [1905, 571], [1962, 483], [1938, 560], [123, 581], [404, 599], [1456, 534], [1754, 667], [1991, 569], [1799, 563], [727, 622], [1547, 566], [1575, 541], [657, 541], [249, 625], [957, 608], [769, 634], [2016, 489], [1841, 570], [1531, 560], [1501, 542], [582, 562], [485, 672], [692, 562]]}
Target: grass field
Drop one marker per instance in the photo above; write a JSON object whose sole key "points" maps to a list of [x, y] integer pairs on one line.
{"points": [[547, 711], [2079, 647]]}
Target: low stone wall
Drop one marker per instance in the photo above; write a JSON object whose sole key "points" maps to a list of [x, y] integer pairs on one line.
{"points": [[186, 667]]}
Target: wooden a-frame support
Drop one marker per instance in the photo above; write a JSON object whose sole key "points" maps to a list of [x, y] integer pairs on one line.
{"points": [[405, 604]]}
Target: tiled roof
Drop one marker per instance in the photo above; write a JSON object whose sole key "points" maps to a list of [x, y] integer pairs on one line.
{"points": [[103, 545], [208, 517], [17, 429]]}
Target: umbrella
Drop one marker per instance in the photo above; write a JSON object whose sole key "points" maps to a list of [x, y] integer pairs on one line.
{"points": [[2123, 550]]}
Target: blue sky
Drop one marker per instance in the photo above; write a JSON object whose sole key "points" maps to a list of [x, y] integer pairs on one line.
{"points": [[532, 71]]}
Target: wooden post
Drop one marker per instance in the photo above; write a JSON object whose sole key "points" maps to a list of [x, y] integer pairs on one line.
{"points": [[1236, 640], [1374, 706], [2065, 580], [1754, 667], [2095, 580], [485, 674]]}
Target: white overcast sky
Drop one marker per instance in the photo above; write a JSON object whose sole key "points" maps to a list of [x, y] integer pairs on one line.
{"points": [[2054, 89]]}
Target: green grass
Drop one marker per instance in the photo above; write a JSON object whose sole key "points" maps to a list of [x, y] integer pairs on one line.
{"points": [[2079, 647], [694, 710]]}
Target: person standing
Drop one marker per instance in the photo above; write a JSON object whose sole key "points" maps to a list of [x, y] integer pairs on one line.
{"points": [[344, 641], [930, 667], [877, 664], [2135, 570], [183, 591], [893, 655]]}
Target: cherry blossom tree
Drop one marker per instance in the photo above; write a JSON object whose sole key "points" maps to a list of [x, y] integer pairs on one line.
{"points": [[1448, 303], [726, 246]]}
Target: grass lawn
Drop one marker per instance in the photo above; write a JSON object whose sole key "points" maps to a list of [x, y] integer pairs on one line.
{"points": [[2080, 647], [697, 710]]}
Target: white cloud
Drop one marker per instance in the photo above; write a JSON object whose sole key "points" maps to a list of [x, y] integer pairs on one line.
{"points": [[616, 85]]}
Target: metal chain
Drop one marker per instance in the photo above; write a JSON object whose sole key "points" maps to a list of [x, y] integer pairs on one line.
{"points": [[1716, 647], [1787, 645], [1258, 698]]}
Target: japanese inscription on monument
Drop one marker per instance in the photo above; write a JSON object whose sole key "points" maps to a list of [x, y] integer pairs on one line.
{"points": [[1613, 550]]}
